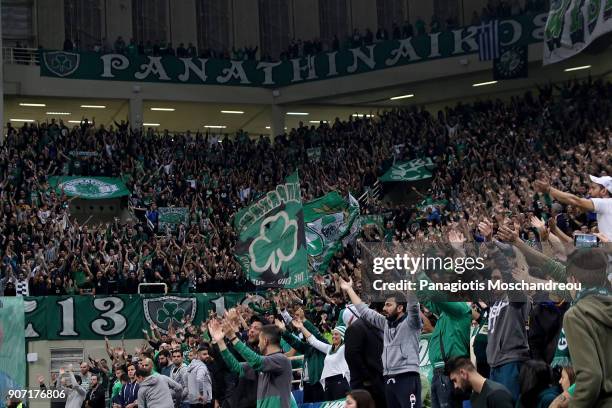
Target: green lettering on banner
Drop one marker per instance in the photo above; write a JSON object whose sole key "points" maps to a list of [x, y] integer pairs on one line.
{"points": [[272, 248], [115, 317], [386, 54]]}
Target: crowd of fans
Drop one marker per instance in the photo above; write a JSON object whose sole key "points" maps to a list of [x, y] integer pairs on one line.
{"points": [[494, 9], [507, 172]]}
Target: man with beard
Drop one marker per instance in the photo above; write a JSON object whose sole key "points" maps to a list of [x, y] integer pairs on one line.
{"points": [[401, 326], [129, 392], [178, 372], [241, 392], [163, 362], [199, 384], [483, 393], [271, 369]]}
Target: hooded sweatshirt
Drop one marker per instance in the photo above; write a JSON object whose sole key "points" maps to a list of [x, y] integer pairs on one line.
{"points": [[76, 396], [198, 382], [401, 338], [156, 391], [588, 328], [508, 341]]}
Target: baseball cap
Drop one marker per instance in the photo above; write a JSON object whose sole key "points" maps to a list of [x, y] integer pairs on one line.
{"points": [[605, 181]]}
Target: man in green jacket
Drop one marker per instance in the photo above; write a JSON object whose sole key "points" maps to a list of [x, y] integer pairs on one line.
{"points": [[588, 328], [313, 360], [450, 338], [272, 368]]}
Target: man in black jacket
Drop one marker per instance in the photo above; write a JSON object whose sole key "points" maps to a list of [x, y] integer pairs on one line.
{"points": [[363, 346], [95, 395]]}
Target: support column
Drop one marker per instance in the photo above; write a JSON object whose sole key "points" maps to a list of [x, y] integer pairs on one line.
{"points": [[136, 112], [278, 121]]}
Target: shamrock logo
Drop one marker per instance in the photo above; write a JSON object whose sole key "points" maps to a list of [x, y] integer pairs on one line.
{"points": [[170, 310], [277, 243], [314, 241]]}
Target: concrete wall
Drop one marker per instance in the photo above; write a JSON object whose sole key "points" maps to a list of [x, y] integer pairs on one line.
{"points": [[183, 22], [50, 23], [362, 14], [306, 19], [117, 20], [94, 348], [245, 23]]}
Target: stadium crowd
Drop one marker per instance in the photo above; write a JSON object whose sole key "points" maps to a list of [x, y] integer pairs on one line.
{"points": [[507, 172]]}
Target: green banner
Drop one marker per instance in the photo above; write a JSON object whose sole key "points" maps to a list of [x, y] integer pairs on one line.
{"points": [[314, 154], [425, 366], [574, 24], [412, 170], [172, 217], [90, 188], [331, 221], [12, 346], [119, 316], [271, 244], [513, 63], [520, 30], [376, 219]]}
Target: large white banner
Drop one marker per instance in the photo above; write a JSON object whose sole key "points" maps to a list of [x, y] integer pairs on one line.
{"points": [[572, 25]]}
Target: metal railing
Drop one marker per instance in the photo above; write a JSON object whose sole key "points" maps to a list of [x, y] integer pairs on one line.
{"points": [[22, 56], [371, 195]]}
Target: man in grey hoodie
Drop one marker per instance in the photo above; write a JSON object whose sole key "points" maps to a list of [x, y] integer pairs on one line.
{"points": [[199, 384], [401, 325], [178, 372], [157, 391]]}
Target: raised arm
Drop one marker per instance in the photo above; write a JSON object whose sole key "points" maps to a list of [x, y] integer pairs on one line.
{"points": [[563, 197], [367, 314]]}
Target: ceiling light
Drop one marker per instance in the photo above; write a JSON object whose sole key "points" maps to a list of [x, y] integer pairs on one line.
{"points": [[577, 68], [21, 120], [361, 115], [298, 113], [215, 126], [32, 104], [317, 121], [267, 127], [402, 97], [58, 113], [484, 83], [93, 106], [74, 121], [150, 124], [163, 109], [231, 111]]}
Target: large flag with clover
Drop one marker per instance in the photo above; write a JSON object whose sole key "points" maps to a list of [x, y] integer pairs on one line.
{"points": [[412, 170], [331, 221], [271, 243], [90, 188]]}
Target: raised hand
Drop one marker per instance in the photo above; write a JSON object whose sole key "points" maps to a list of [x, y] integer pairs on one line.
{"points": [[297, 323], [216, 330], [345, 285], [281, 325], [541, 186], [486, 228], [507, 234]]}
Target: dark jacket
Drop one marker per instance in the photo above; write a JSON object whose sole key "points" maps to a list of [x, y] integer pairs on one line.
{"points": [[240, 392], [363, 347], [588, 329], [95, 397], [128, 394]]}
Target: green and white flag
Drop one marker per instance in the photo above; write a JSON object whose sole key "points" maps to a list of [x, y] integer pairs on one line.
{"points": [[314, 154], [12, 345], [429, 202], [271, 244], [412, 170], [90, 188], [574, 24], [331, 222], [172, 217]]}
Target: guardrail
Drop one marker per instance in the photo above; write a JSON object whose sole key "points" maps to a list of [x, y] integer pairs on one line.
{"points": [[371, 195], [21, 56]]}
